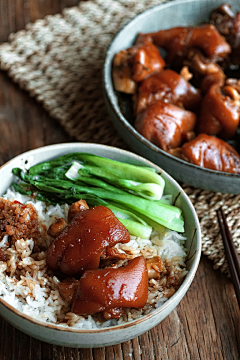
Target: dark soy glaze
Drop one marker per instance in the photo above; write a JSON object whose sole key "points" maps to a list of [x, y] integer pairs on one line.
{"points": [[212, 153], [81, 243], [110, 289]]}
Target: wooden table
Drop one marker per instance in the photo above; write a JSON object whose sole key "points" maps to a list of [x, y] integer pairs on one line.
{"points": [[205, 325]]}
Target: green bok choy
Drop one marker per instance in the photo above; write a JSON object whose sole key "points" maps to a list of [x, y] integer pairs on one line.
{"points": [[132, 192]]}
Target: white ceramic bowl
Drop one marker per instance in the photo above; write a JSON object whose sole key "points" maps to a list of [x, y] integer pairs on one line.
{"points": [[164, 16], [95, 338]]}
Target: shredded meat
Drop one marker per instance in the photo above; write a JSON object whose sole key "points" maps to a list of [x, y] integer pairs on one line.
{"points": [[2, 255], [110, 256], [155, 267], [18, 221]]}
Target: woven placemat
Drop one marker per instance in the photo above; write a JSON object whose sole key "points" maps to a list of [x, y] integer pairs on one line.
{"points": [[59, 61]]}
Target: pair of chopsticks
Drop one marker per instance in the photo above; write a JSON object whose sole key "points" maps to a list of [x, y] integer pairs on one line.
{"points": [[231, 252]]}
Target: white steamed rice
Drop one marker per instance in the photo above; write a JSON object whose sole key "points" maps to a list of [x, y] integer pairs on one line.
{"points": [[28, 285]]}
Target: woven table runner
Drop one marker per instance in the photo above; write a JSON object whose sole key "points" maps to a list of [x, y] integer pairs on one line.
{"points": [[59, 61]]}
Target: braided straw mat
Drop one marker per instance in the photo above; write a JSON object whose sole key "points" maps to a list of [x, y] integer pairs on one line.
{"points": [[59, 61]]}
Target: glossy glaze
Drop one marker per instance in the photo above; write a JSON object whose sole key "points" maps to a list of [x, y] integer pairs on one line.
{"points": [[165, 125], [212, 153], [167, 86], [206, 37], [220, 112], [212, 78], [112, 288], [146, 61], [81, 243], [135, 64]]}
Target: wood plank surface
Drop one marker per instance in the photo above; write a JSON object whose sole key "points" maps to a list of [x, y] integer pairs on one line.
{"points": [[204, 326]]}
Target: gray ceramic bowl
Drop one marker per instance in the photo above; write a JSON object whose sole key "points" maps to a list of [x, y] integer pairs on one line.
{"points": [[174, 13], [95, 338]]}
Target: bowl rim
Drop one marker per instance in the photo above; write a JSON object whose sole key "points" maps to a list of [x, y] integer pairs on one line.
{"points": [[187, 280], [110, 93]]}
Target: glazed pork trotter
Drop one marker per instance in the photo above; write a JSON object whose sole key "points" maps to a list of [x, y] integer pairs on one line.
{"points": [[165, 125], [179, 39], [135, 64], [81, 243], [167, 86], [220, 112], [212, 153], [111, 289]]}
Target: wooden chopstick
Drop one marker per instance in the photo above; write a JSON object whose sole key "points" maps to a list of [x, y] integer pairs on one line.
{"points": [[231, 252]]}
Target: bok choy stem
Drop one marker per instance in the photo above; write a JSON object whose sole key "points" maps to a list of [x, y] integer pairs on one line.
{"points": [[132, 192]]}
